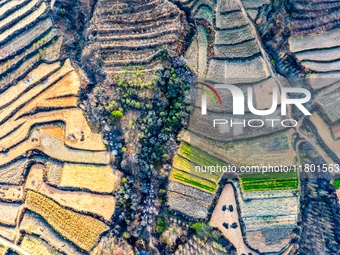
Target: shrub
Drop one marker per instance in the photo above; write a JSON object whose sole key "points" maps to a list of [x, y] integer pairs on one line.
{"points": [[337, 183], [161, 225], [116, 114], [126, 235], [201, 229]]}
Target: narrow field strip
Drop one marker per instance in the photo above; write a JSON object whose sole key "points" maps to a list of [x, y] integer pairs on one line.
{"points": [[23, 23], [194, 181]]}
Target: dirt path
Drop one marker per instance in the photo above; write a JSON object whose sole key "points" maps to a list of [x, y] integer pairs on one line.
{"points": [[263, 52], [223, 218]]}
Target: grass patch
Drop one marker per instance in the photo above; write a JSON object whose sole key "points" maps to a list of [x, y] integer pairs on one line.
{"points": [[192, 180]]}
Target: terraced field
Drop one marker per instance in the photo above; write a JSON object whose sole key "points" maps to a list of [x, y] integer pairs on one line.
{"points": [[316, 42], [277, 147], [314, 54], [318, 53], [134, 33], [36, 225], [56, 179], [192, 190], [324, 132], [269, 217], [234, 54], [269, 181], [185, 165], [45, 139], [185, 170], [267, 225], [192, 180], [80, 229], [313, 17], [99, 205], [37, 246]]}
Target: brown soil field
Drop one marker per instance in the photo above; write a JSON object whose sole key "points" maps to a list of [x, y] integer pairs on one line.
{"points": [[9, 213], [11, 193], [49, 140]]}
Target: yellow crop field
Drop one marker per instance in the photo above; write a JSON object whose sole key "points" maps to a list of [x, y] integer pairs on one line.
{"points": [[93, 177], [82, 230], [181, 163]]}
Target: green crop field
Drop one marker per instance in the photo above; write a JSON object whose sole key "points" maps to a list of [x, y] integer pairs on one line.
{"points": [[192, 180], [198, 156], [185, 165], [269, 181], [191, 156]]}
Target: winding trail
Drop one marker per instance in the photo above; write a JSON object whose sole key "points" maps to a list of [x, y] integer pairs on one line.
{"points": [[257, 39]]}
